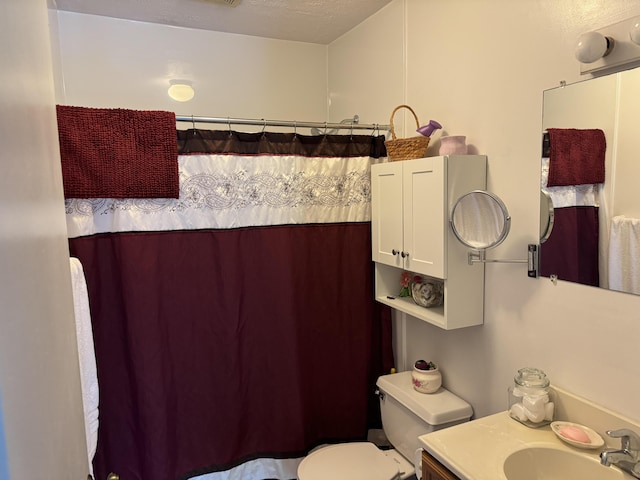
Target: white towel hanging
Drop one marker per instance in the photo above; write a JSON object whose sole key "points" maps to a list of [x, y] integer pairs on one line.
{"points": [[87, 358], [624, 255]]}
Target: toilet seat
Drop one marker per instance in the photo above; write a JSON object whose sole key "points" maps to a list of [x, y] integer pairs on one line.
{"points": [[348, 461]]}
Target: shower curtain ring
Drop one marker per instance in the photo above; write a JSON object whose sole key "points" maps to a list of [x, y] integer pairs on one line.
{"points": [[264, 125], [229, 124], [325, 128], [295, 128]]}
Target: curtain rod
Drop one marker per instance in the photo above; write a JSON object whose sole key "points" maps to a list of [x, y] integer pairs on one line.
{"points": [[352, 125]]}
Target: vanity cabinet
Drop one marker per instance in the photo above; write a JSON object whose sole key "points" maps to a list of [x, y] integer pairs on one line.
{"points": [[432, 469], [411, 202]]}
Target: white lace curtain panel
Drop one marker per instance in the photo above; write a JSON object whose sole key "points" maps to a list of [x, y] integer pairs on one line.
{"points": [[223, 191]]}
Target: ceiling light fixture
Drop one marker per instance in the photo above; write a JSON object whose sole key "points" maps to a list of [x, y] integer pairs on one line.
{"points": [[181, 90], [614, 46]]}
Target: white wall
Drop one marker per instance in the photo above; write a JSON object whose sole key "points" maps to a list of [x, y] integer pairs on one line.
{"points": [[39, 375], [480, 69], [366, 69], [111, 63]]}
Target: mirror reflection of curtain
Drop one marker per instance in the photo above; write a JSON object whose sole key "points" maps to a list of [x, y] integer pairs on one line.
{"points": [[573, 252], [236, 322]]}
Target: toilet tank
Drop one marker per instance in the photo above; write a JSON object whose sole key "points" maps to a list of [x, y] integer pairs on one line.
{"points": [[407, 414]]}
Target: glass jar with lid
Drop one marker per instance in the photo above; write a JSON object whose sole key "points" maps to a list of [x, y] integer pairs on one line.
{"points": [[530, 398]]}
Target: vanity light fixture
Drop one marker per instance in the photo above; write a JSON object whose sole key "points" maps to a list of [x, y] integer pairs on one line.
{"points": [[613, 46], [593, 46], [181, 90]]}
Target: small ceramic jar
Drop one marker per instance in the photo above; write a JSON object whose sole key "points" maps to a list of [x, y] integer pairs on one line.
{"points": [[453, 145], [426, 381]]}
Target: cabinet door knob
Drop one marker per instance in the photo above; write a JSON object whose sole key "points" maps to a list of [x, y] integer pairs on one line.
{"points": [[404, 254], [395, 252]]}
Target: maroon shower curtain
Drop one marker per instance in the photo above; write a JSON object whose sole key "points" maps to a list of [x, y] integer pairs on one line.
{"points": [[217, 346], [571, 251]]}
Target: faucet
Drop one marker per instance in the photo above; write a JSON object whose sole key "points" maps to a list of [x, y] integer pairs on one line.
{"points": [[627, 458]]}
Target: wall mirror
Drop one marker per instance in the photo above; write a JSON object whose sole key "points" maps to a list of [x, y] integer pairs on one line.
{"points": [[596, 221]]}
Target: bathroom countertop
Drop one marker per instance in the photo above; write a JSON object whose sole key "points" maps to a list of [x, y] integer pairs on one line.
{"points": [[476, 450]]}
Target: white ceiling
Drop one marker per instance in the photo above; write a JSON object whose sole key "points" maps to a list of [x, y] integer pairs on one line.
{"points": [[313, 21]]}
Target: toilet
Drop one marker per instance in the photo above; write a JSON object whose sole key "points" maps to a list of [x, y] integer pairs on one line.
{"points": [[406, 415]]}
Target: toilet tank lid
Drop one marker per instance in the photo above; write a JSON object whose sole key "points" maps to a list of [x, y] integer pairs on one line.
{"points": [[434, 408]]}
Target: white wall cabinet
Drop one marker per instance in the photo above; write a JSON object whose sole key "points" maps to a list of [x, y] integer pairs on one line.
{"points": [[402, 239], [411, 202]]}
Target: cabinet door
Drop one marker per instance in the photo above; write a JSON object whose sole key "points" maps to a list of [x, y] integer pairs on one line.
{"points": [[425, 218], [386, 213], [434, 470]]}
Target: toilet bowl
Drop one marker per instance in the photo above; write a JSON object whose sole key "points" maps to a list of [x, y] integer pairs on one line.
{"points": [[406, 415]]}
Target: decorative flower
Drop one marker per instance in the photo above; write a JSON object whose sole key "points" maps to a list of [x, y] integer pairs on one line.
{"points": [[417, 279], [405, 280]]}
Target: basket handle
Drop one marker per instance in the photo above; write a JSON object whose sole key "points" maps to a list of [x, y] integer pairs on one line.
{"points": [[393, 130]]}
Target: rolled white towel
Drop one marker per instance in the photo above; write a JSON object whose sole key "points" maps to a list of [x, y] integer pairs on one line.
{"points": [[535, 403], [517, 412], [534, 407], [535, 417]]}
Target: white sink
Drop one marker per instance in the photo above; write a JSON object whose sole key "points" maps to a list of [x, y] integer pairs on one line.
{"points": [[551, 463], [496, 447]]}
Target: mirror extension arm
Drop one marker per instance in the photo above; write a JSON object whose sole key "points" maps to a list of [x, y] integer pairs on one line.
{"points": [[479, 256]]}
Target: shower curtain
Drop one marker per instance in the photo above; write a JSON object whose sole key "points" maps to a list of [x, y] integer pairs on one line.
{"points": [[237, 322]]}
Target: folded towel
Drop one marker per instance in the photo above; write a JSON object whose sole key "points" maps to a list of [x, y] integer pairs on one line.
{"points": [[118, 153], [624, 255], [576, 157], [87, 358]]}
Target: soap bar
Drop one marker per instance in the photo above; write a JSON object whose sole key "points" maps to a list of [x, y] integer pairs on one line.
{"points": [[574, 433]]}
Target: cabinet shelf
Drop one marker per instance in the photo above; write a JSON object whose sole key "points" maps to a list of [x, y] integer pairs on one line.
{"points": [[434, 315], [388, 285]]}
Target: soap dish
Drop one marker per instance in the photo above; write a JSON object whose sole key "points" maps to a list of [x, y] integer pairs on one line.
{"points": [[595, 440]]}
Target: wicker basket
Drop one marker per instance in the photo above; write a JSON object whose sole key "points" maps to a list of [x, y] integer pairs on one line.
{"points": [[405, 148]]}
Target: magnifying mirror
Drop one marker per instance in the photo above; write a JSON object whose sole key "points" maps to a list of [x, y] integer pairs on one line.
{"points": [[546, 216], [480, 220]]}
